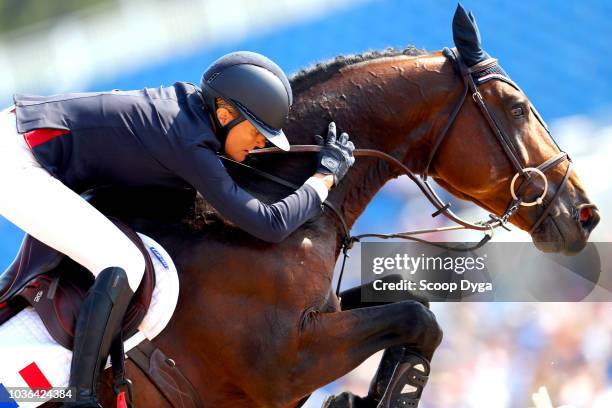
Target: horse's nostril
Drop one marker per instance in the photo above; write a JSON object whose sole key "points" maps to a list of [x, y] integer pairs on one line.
{"points": [[585, 214], [588, 216]]}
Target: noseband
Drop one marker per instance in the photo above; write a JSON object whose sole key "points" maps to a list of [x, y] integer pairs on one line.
{"points": [[472, 77]]}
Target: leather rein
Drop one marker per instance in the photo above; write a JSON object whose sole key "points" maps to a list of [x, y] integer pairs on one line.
{"points": [[487, 226]]}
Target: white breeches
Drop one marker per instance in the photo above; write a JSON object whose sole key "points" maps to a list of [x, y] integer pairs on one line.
{"points": [[44, 207]]}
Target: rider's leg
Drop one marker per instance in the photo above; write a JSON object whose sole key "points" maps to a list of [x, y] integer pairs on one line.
{"points": [[98, 324], [45, 208]]}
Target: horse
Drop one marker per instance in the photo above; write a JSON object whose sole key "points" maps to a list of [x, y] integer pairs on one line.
{"points": [[258, 324]]}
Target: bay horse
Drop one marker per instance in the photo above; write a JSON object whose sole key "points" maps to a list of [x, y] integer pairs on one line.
{"points": [[258, 324]]}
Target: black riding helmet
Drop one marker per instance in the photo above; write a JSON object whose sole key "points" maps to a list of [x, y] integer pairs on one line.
{"points": [[256, 87]]}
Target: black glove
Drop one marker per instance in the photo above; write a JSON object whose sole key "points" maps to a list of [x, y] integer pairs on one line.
{"points": [[336, 156]]}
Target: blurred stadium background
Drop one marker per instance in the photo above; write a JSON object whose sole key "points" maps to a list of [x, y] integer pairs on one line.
{"points": [[493, 354]]}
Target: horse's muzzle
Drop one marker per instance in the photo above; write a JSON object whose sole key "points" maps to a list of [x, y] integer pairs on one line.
{"points": [[567, 230]]}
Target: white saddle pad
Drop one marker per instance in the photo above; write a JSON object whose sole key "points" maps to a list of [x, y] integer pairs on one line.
{"points": [[29, 357]]}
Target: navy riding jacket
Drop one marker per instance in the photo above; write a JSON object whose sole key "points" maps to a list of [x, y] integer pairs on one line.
{"points": [[151, 137]]}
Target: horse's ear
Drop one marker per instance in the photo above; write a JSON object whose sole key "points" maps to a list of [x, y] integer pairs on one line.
{"points": [[467, 37]]}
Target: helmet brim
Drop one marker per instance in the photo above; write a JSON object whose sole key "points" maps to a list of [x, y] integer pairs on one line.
{"points": [[275, 136]]}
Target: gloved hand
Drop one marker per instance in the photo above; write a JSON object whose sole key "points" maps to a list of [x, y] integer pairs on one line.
{"points": [[336, 156]]}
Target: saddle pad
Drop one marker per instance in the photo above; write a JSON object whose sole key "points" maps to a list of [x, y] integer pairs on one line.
{"points": [[30, 358]]}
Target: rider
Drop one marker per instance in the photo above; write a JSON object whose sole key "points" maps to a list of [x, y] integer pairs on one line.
{"points": [[53, 148]]}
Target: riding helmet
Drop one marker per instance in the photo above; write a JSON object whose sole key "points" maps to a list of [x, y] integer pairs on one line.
{"points": [[256, 87]]}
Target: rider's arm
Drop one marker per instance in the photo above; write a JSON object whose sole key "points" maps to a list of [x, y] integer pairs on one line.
{"points": [[327, 179], [203, 169]]}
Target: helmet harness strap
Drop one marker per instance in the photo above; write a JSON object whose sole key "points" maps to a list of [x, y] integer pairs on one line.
{"points": [[223, 130]]}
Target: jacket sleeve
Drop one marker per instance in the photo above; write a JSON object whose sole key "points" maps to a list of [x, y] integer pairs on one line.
{"points": [[272, 223]]}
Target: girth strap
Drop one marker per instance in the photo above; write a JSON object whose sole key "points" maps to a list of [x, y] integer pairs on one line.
{"points": [[165, 375]]}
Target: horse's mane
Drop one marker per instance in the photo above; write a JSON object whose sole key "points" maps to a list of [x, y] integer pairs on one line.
{"points": [[202, 216], [322, 71]]}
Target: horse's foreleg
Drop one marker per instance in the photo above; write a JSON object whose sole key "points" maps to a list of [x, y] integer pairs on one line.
{"points": [[388, 372], [332, 344]]}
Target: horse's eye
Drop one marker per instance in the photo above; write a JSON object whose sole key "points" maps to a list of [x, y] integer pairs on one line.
{"points": [[518, 112]]}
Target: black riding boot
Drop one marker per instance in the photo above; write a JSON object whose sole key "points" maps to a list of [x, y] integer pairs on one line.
{"points": [[98, 323]]}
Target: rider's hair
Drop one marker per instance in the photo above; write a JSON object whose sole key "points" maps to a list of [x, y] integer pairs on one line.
{"points": [[222, 103]]}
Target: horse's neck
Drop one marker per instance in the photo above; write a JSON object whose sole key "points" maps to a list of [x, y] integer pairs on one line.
{"points": [[395, 105], [401, 119]]}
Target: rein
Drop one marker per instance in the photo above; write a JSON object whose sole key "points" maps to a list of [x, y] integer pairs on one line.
{"points": [[492, 70], [348, 239]]}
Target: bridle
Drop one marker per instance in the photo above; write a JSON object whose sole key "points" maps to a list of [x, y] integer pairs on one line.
{"points": [[481, 73], [472, 77]]}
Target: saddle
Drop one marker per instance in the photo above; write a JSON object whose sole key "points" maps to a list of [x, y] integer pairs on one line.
{"points": [[56, 286]]}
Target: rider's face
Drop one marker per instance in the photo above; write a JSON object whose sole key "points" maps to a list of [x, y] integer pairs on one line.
{"points": [[241, 138]]}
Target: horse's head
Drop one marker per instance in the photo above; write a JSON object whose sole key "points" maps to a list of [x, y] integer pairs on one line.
{"points": [[494, 139]]}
